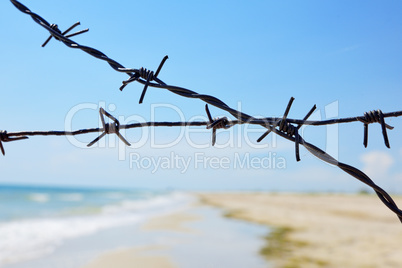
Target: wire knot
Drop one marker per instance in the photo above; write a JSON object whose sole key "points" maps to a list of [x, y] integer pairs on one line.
{"points": [[4, 137], [109, 128], [145, 74], [55, 28], [216, 123], [375, 116], [371, 117], [112, 128], [287, 128]]}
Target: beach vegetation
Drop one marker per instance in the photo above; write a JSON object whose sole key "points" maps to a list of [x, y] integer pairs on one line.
{"points": [[233, 213], [363, 191], [281, 247], [278, 243]]}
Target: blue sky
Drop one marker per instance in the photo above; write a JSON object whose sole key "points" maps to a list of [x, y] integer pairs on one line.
{"points": [[343, 56]]}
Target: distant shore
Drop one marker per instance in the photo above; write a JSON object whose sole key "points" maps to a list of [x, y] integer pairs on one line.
{"points": [[320, 230]]}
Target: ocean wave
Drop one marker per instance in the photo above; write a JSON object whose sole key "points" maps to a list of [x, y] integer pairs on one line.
{"points": [[71, 197], [35, 237], [114, 195]]}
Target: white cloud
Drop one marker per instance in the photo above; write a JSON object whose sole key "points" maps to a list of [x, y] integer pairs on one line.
{"points": [[377, 163]]}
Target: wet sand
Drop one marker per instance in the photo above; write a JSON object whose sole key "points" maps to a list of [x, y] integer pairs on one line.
{"points": [[147, 256], [197, 237], [134, 257]]}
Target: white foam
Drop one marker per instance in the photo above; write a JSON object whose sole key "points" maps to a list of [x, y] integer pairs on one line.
{"points": [[39, 197], [31, 238]]}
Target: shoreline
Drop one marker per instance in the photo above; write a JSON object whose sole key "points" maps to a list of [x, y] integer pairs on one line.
{"points": [[148, 255], [275, 229], [319, 230]]}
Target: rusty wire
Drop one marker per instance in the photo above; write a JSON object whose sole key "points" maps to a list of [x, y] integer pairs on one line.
{"points": [[284, 127]]}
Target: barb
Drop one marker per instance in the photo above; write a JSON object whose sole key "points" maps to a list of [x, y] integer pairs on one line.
{"points": [[216, 123], [56, 28], [145, 74], [375, 117], [289, 129], [109, 128], [284, 127]]}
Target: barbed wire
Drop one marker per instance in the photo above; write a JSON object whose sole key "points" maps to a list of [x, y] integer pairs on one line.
{"points": [[284, 127]]}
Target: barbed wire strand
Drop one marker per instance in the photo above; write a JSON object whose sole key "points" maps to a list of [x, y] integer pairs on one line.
{"points": [[281, 126]]}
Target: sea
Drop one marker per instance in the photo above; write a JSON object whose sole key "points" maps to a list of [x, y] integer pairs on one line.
{"points": [[36, 221]]}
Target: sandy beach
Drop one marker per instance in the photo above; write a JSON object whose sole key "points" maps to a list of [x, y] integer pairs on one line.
{"points": [[308, 230], [320, 230]]}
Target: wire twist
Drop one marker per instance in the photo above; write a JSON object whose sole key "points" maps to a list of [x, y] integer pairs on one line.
{"points": [[5, 137]]}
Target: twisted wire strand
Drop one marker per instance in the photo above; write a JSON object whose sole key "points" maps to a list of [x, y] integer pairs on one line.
{"points": [[382, 194], [286, 129], [176, 89]]}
